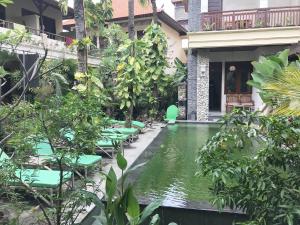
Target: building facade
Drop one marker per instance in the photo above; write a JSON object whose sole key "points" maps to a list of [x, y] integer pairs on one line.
{"points": [[43, 20], [224, 37]]}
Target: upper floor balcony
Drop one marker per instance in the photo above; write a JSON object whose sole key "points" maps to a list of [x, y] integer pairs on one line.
{"points": [[251, 18], [57, 45]]}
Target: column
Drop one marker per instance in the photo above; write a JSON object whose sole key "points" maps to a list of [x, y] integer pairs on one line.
{"points": [[194, 24], [202, 86]]}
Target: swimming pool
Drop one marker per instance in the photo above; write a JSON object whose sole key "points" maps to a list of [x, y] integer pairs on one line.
{"points": [[170, 167], [168, 172]]}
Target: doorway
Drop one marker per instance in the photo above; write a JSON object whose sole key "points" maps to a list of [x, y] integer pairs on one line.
{"points": [[215, 86], [2, 13]]}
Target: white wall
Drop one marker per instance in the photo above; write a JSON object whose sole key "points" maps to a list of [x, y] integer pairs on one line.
{"points": [[14, 13], [281, 3], [252, 4], [240, 4]]}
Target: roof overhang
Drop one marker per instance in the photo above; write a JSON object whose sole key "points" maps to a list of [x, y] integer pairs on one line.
{"points": [[162, 16], [247, 37]]}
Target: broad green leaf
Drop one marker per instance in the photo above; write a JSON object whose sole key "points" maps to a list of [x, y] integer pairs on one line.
{"points": [[79, 76], [121, 161], [111, 183], [263, 68], [81, 87], [284, 57], [155, 220], [133, 208], [150, 209], [122, 105], [131, 60], [96, 81]]}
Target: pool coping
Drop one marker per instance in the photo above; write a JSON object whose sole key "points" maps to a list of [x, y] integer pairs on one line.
{"points": [[131, 154]]}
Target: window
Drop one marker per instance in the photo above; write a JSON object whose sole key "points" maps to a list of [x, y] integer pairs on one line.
{"points": [[236, 76], [140, 34]]}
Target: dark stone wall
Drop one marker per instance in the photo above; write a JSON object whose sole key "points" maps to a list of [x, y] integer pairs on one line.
{"points": [[194, 21]]}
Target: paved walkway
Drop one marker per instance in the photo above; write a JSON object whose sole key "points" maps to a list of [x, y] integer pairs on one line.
{"points": [[131, 153]]}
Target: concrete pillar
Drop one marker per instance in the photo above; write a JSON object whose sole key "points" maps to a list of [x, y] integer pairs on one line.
{"points": [[202, 87]]}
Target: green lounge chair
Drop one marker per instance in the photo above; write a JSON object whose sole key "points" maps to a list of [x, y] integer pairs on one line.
{"points": [[44, 151], [172, 114], [36, 178], [134, 123], [122, 130], [105, 145]]}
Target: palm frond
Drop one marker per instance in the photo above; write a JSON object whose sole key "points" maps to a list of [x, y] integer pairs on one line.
{"points": [[63, 4], [286, 90], [144, 2]]}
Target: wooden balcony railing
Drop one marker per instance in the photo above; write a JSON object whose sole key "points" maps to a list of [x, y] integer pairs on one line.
{"points": [[252, 18], [12, 25]]}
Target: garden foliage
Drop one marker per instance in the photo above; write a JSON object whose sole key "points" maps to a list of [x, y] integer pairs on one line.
{"points": [[264, 179]]}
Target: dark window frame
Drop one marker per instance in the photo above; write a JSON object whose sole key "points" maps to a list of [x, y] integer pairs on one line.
{"points": [[241, 69]]}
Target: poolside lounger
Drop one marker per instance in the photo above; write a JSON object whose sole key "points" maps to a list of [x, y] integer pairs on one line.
{"points": [[36, 178], [134, 123], [44, 151], [172, 114], [105, 145], [122, 130]]}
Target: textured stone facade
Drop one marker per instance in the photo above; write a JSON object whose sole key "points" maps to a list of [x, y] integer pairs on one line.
{"points": [[182, 100], [202, 87], [192, 85]]}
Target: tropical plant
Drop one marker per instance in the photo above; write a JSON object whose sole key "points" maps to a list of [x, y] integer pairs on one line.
{"points": [[254, 164], [47, 119], [21, 121], [121, 206], [5, 3], [96, 14], [180, 73], [57, 76], [131, 28], [114, 37], [278, 82], [156, 63], [154, 8], [82, 40], [130, 79]]}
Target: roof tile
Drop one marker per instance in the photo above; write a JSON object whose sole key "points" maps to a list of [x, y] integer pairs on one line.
{"points": [[121, 8]]}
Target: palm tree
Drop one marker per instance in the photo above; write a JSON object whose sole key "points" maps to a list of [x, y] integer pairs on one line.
{"points": [[131, 30], [80, 31], [154, 8]]}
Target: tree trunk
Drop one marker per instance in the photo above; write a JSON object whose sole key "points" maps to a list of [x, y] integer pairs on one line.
{"points": [[131, 31], [154, 9], [131, 35], [80, 34]]}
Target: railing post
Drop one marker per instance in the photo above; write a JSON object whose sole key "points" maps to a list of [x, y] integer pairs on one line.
{"points": [[233, 21], [266, 14]]}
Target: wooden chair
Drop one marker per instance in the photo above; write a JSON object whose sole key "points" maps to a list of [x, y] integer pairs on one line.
{"points": [[247, 102], [232, 101]]}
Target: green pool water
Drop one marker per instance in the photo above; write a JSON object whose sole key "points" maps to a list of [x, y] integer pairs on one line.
{"points": [[170, 168]]}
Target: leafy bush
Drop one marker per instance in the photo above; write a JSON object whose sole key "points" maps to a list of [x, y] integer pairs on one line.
{"points": [[264, 179]]}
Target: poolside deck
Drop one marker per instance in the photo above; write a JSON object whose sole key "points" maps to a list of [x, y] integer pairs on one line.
{"points": [[131, 153]]}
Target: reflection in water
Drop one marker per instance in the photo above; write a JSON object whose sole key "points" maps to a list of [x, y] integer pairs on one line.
{"points": [[170, 173]]}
